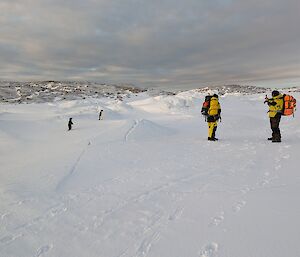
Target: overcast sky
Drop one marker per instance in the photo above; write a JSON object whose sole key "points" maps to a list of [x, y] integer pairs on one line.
{"points": [[183, 43]]}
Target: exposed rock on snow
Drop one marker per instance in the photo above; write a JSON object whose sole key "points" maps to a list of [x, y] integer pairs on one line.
{"points": [[49, 91]]}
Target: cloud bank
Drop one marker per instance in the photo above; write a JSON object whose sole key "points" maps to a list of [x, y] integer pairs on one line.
{"points": [[151, 43]]}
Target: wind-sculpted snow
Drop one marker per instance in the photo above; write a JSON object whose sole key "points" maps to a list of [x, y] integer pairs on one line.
{"points": [[144, 181], [147, 130]]}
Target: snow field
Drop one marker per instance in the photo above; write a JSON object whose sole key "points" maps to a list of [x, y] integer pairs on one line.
{"points": [[145, 181]]}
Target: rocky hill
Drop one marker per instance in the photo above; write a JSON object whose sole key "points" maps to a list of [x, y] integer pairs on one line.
{"points": [[49, 91]]}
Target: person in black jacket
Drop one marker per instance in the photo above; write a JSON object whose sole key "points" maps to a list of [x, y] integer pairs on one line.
{"points": [[70, 123], [100, 115]]}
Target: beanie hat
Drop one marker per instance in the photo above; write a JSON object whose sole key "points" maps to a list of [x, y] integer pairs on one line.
{"points": [[275, 93]]}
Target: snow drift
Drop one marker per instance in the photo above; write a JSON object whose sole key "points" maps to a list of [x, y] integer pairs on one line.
{"points": [[145, 181]]}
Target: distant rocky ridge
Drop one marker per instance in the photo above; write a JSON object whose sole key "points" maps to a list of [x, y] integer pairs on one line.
{"points": [[232, 89], [49, 91], [229, 89]]}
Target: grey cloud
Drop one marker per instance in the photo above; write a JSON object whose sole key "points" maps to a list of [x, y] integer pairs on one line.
{"points": [[156, 42]]}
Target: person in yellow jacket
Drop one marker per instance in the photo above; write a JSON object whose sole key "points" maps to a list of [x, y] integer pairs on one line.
{"points": [[275, 111], [214, 113]]}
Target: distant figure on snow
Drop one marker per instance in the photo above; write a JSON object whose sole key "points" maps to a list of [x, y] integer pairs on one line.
{"points": [[70, 123], [100, 115]]}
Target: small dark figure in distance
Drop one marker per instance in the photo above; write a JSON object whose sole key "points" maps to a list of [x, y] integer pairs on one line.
{"points": [[70, 123], [100, 115]]}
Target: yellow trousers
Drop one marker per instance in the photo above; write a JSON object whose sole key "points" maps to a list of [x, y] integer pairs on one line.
{"points": [[211, 127]]}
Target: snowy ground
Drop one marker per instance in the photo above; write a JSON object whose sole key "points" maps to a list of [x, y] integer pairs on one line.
{"points": [[145, 182]]}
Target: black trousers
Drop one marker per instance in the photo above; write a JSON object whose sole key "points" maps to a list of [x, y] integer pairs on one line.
{"points": [[274, 122]]}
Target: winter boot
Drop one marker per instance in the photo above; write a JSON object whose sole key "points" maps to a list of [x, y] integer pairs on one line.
{"points": [[276, 140], [212, 139]]}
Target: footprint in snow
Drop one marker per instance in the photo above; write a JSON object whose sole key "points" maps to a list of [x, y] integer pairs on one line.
{"points": [[216, 221], [58, 210], [245, 190], [9, 239], [210, 250], [286, 156], [81, 227], [264, 183], [238, 206], [4, 215], [6, 239], [44, 249], [176, 215]]}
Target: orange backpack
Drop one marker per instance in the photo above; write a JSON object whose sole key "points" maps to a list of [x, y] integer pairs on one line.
{"points": [[206, 105], [289, 105]]}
